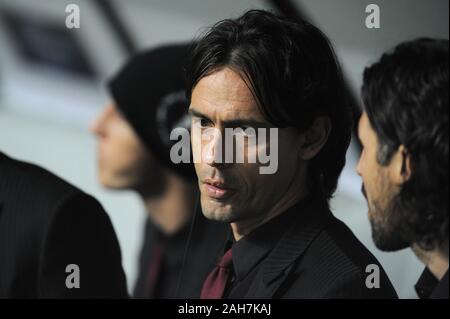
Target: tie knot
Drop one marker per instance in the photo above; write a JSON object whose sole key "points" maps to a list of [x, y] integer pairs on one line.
{"points": [[226, 260]]}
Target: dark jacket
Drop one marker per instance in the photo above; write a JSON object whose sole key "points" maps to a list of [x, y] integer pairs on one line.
{"points": [[316, 256], [46, 225]]}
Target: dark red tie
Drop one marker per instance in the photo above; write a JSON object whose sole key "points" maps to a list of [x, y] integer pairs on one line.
{"points": [[215, 283]]}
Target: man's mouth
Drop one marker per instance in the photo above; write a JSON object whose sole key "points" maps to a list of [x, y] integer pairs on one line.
{"points": [[217, 189]]}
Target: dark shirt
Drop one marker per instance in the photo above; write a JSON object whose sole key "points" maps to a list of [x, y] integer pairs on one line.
{"points": [[429, 287], [249, 252], [206, 241]]}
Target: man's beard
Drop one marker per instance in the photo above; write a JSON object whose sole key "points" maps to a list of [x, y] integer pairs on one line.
{"points": [[389, 232]]}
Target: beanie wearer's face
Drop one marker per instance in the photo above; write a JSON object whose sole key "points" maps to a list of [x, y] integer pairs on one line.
{"points": [[123, 162]]}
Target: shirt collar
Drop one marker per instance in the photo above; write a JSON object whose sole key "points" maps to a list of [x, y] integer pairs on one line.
{"points": [[441, 290], [252, 248], [428, 286]]}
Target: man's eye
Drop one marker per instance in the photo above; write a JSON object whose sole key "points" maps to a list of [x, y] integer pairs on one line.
{"points": [[205, 123], [202, 122]]}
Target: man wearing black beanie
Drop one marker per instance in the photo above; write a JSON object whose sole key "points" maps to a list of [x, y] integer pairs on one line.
{"points": [[149, 101]]}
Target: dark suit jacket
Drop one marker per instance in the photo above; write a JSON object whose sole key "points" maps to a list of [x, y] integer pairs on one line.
{"points": [[317, 257], [47, 224]]}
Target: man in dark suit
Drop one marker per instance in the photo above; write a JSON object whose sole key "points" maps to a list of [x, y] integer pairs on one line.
{"points": [[55, 241], [404, 162], [275, 81]]}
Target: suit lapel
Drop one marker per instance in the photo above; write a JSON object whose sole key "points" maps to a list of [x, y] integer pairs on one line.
{"points": [[281, 261]]}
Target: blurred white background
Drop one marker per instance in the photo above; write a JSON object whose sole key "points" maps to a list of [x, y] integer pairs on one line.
{"points": [[45, 114]]}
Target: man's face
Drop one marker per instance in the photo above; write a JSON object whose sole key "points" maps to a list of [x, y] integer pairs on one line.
{"points": [[237, 192], [380, 191], [123, 162]]}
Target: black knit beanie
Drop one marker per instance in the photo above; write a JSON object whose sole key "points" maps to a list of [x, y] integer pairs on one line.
{"points": [[150, 92]]}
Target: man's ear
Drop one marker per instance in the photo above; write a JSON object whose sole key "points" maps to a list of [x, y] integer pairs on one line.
{"points": [[400, 166], [315, 137]]}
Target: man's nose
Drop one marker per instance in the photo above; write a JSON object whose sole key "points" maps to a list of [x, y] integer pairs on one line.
{"points": [[213, 151], [358, 167], [94, 126], [97, 126]]}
